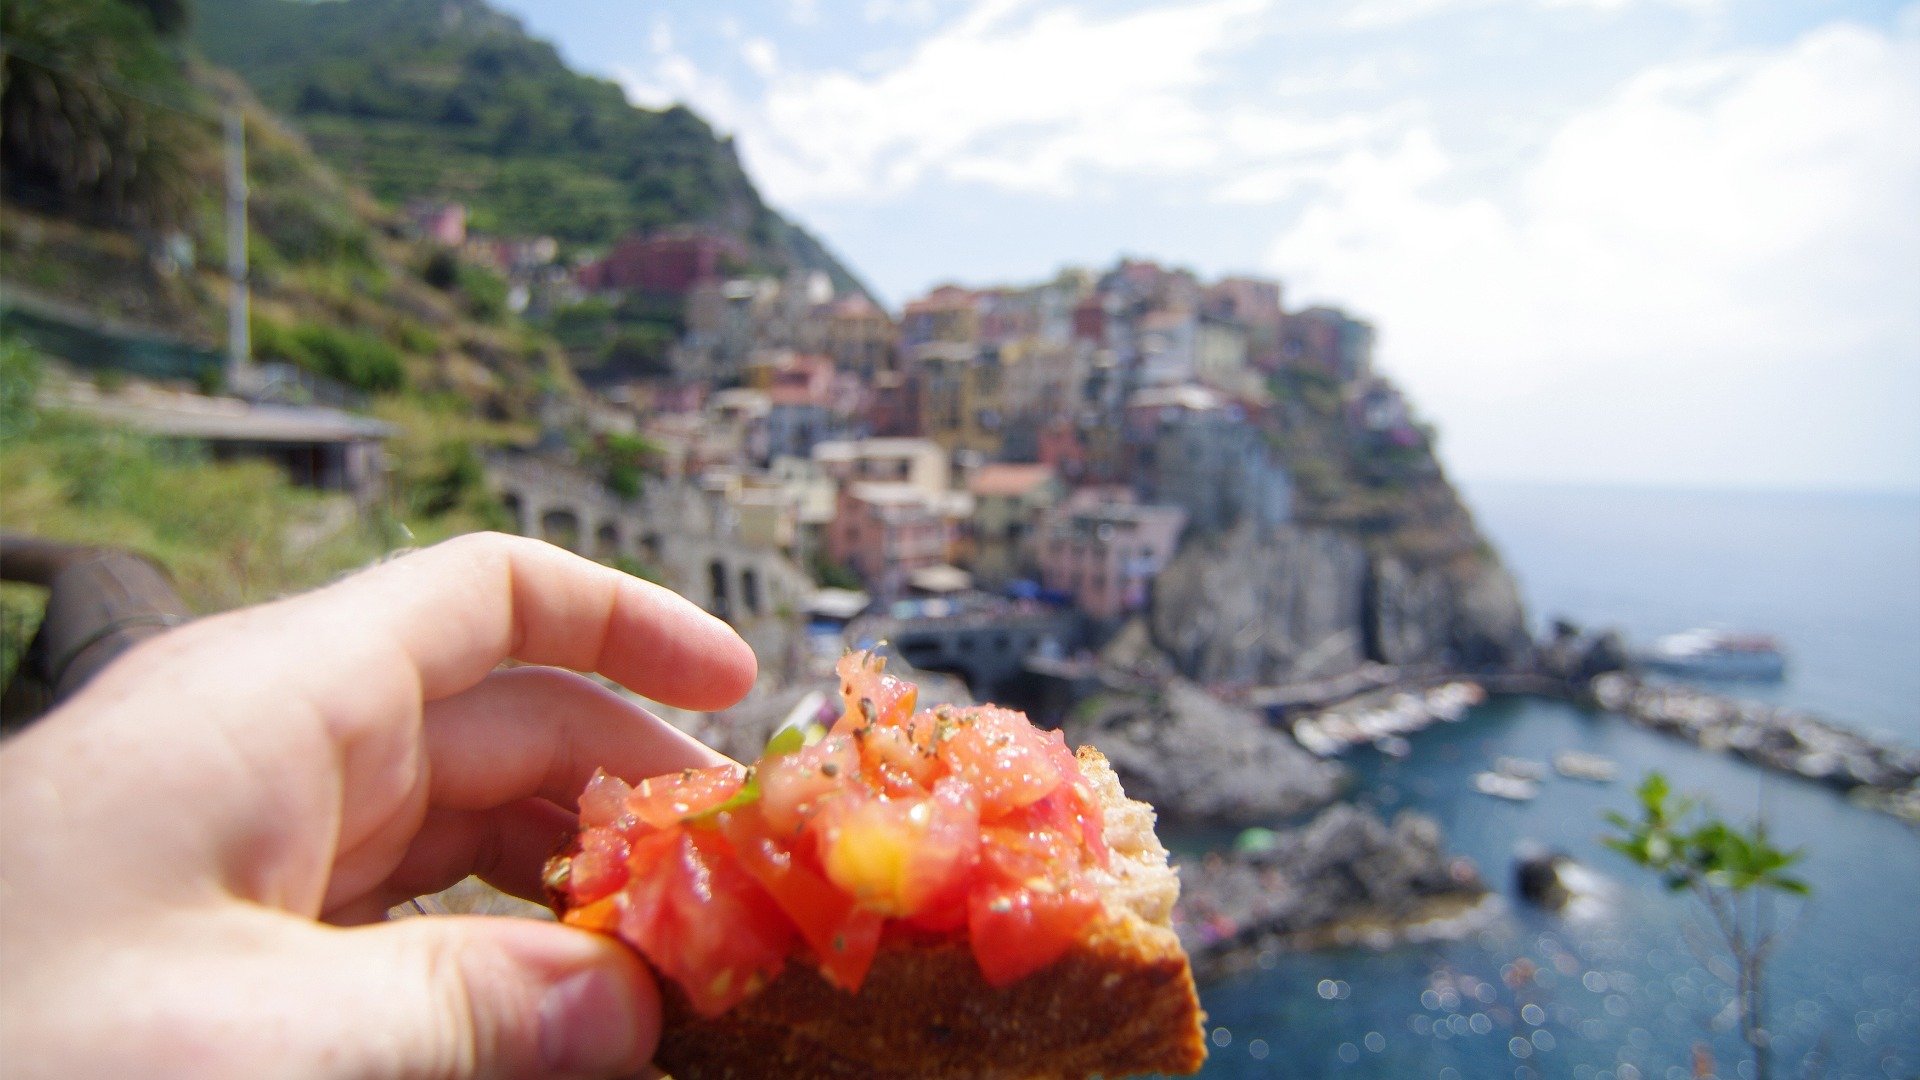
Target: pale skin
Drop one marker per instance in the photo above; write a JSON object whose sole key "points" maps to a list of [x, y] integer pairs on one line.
{"points": [[196, 850]]}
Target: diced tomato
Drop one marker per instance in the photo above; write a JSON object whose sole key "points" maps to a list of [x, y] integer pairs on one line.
{"points": [[843, 935], [943, 822], [889, 700], [792, 786], [604, 800], [701, 920], [600, 867], [661, 801], [898, 855], [891, 757], [1015, 931], [1002, 756]]}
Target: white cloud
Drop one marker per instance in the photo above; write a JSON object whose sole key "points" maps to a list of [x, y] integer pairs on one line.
{"points": [[761, 57], [1383, 14], [1007, 94], [1714, 253]]}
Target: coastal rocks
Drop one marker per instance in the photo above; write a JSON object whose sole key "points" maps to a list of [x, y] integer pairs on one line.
{"points": [[1577, 656], [1263, 607], [1536, 877], [1198, 759], [1297, 603], [1346, 877], [1876, 774]]}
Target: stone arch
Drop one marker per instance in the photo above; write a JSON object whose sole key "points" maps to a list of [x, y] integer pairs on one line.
{"points": [[516, 511], [606, 541], [750, 590], [717, 585], [561, 526]]}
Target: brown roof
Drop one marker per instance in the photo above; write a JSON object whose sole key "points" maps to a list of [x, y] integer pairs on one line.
{"points": [[1008, 480]]}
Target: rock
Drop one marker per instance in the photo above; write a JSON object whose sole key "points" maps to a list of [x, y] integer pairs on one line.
{"points": [[1263, 607], [1536, 875], [1298, 602], [1346, 875], [1198, 759]]}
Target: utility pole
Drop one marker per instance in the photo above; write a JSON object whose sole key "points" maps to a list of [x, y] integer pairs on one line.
{"points": [[239, 349]]}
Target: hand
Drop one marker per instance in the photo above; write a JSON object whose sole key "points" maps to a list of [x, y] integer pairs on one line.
{"points": [[189, 846]]}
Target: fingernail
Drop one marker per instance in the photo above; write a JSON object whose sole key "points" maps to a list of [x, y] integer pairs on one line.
{"points": [[587, 1024]]}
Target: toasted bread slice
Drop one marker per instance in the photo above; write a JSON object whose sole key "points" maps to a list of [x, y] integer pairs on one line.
{"points": [[1120, 1002]]}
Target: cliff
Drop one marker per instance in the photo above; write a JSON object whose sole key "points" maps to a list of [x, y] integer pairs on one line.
{"points": [[1310, 601], [1197, 759]]}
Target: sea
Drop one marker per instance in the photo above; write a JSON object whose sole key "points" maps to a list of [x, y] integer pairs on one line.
{"points": [[1623, 985]]}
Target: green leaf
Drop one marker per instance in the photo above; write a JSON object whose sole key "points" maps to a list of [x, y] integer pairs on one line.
{"points": [[748, 794], [1791, 885], [784, 742]]}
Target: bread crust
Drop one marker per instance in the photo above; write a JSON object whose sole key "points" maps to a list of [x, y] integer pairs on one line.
{"points": [[1120, 1002]]}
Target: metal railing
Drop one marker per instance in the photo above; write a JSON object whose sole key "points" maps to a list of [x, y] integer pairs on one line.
{"points": [[100, 603]]}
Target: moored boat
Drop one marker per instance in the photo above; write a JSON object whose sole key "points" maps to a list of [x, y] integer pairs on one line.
{"points": [[1576, 765], [1502, 786], [1717, 654]]}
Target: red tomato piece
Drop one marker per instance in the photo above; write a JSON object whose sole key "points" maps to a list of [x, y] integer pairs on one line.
{"points": [[843, 935], [1002, 756], [896, 856], [604, 801], [600, 867], [1016, 931], [888, 700], [701, 920], [661, 801], [794, 786], [891, 758]]}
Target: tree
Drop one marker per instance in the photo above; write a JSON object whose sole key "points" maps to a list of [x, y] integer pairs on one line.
{"points": [[1733, 873]]}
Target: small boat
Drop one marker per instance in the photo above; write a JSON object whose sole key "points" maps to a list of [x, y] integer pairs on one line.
{"points": [[1519, 768], [1502, 786], [1718, 654], [1576, 765], [1393, 746]]}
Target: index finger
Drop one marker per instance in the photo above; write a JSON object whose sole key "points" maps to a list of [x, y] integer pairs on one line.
{"points": [[456, 610]]}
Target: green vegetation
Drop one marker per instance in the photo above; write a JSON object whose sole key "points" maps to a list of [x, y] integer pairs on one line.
{"points": [[228, 533], [361, 361], [69, 132], [450, 99], [1732, 872]]}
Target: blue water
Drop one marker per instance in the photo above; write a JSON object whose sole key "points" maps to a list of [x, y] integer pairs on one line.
{"points": [[1620, 992]]}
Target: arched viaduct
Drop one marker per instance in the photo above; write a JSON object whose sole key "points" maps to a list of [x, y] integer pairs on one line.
{"points": [[673, 530]]}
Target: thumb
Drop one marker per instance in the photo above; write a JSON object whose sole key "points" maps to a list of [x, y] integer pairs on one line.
{"points": [[471, 996]]}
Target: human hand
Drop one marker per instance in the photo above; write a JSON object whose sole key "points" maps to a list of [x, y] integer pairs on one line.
{"points": [[189, 846]]}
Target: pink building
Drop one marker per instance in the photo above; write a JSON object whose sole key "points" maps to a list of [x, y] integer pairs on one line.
{"points": [[665, 263], [1105, 549], [885, 531], [443, 223]]}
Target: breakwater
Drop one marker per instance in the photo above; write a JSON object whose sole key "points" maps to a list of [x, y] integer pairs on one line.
{"points": [[1874, 773]]}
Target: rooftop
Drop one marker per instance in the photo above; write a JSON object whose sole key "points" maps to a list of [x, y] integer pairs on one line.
{"points": [[229, 419], [1008, 480]]}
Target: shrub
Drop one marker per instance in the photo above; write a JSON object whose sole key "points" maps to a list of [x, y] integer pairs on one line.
{"points": [[360, 360]]}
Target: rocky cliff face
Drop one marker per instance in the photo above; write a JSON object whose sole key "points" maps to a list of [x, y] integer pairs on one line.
{"points": [[1346, 876], [1303, 602], [1197, 759]]}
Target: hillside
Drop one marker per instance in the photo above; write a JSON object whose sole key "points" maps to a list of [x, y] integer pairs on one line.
{"points": [[452, 99]]}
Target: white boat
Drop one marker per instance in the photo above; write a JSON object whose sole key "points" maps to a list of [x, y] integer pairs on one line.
{"points": [[1393, 746], [1502, 786], [1576, 765], [1717, 654]]}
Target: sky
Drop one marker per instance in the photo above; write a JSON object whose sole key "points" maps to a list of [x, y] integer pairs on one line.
{"points": [[1618, 241]]}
